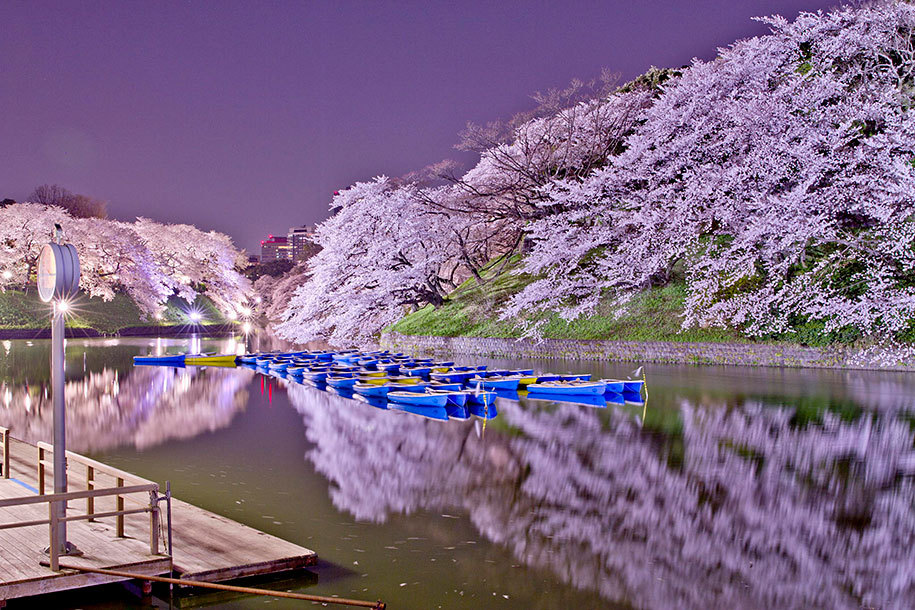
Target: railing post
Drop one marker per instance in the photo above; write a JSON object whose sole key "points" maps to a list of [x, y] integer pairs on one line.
{"points": [[6, 452], [120, 506], [40, 470], [53, 549], [154, 522], [90, 485]]}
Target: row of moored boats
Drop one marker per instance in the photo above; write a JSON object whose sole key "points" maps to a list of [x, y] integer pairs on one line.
{"points": [[384, 378]]}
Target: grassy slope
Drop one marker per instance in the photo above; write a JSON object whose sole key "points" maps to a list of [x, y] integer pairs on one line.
{"points": [[472, 310], [25, 310]]}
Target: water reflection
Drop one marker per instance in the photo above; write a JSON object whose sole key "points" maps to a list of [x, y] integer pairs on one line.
{"points": [[748, 503], [141, 408]]}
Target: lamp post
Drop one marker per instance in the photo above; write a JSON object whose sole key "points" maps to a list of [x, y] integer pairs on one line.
{"points": [[58, 280]]}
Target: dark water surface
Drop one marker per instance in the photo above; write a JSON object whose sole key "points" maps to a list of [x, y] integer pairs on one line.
{"points": [[732, 487]]}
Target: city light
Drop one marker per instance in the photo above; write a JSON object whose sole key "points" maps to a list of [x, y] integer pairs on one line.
{"points": [[63, 306], [246, 311], [7, 274], [231, 315], [246, 327], [195, 316]]}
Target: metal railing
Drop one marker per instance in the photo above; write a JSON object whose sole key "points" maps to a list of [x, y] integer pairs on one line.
{"points": [[95, 472]]}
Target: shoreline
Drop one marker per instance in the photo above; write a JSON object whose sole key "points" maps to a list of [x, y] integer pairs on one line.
{"points": [[782, 355], [127, 331]]}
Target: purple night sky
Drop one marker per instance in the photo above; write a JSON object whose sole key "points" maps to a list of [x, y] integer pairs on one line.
{"points": [[245, 117]]}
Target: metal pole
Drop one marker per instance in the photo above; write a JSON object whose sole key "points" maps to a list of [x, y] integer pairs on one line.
{"points": [[60, 423]]}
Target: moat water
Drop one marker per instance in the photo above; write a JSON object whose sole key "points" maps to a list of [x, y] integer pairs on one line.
{"points": [[731, 486]]}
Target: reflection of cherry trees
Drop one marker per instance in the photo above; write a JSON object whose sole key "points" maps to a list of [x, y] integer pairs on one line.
{"points": [[759, 513], [144, 408]]}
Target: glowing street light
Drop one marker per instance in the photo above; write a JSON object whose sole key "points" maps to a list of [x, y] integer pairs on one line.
{"points": [[7, 274], [58, 279]]}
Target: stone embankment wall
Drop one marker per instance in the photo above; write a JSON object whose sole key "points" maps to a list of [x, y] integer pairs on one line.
{"points": [[742, 354]]}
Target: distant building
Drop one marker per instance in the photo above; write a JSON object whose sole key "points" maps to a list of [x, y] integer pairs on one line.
{"points": [[253, 259], [302, 241], [275, 249]]}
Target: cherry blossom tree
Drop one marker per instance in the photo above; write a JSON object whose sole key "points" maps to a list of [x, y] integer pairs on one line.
{"points": [[780, 176], [382, 252], [147, 260], [196, 261]]}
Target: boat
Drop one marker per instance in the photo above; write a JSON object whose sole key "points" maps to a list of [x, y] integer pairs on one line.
{"points": [[208, 359], [371, 379], [495, 383], [578, 377], [163, 360], [592, 400], [614, 386], [483, 411], [341, 382], [371, 389], [459, 412], [419, 386], [450, 387], [417, 399], [314, 376], [416, 371], [481, 397], [457, 397], [375, 401], [548, 377], [451, 376], [633, 385], [568, 388], [436, 413]]}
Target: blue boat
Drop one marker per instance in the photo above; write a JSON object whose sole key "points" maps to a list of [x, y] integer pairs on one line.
{"points": [[482, 411], [418, 400], [460, 412], [481, 397], [634, 385], [436, 413], [341, 382], [378, 403], [279, 365], [454, 397], [165, 359], [568, 388], [591, 400], [548, 377], [416, 371], [371, 389], [315, 376], [418, 388], [579, 377], [450, 387], [451, 377], [614, 386], [494, 383]]}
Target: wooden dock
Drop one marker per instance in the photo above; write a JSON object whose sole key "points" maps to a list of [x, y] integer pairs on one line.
{"points": [[126, 531]]}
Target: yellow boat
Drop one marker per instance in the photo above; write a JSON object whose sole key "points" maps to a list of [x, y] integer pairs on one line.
{"points": [[211, 360], [527, 380]]}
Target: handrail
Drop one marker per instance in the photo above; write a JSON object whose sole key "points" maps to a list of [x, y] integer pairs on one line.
{"points": [[76, 495], [93, 468], [5, 445], [98, 466]]}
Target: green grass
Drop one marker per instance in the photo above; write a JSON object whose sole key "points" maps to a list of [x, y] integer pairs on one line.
{"points": [[25, 310], [472, 310]]}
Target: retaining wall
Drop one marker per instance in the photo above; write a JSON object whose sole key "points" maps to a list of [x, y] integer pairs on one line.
{"points": [[741, 354]]}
